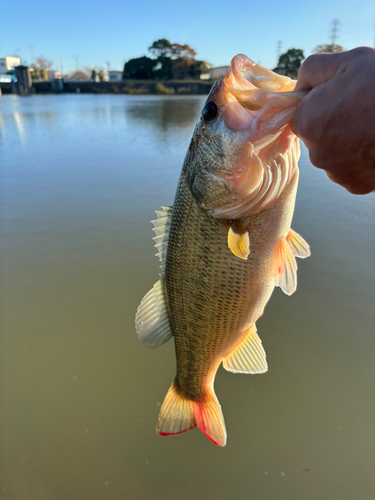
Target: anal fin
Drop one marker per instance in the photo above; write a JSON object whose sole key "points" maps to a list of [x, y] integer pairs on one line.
{"points": [[239, 241], [249, 356]]}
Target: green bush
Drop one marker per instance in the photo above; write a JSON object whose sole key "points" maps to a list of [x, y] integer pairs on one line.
{"points": [[162, 89]]}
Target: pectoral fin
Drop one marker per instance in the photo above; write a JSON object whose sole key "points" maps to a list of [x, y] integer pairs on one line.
{"points": [[239, 241], [249, 356]]}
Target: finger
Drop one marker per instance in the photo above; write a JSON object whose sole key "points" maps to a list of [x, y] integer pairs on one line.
{"points": [[320, 68]]}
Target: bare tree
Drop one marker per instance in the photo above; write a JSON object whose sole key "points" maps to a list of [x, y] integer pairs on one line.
{"points": [[328, 47], [43, 63]]}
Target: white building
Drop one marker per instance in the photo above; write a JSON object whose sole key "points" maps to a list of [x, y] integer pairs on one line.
{"points": [[115, 76], [218, 71], [9, 63]]}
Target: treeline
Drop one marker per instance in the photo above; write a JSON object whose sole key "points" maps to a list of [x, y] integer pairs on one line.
{"points": [[169, 61], [289, 62]]}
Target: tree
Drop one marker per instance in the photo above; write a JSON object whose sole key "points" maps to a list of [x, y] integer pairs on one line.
{"points": [[161, 48], [139, 68], [43, 74], [93, 75], [182, 51], [328, 48], [197, 68], [101, 76], [181, 68], [289, 63], [43, 63], [35, 73]]}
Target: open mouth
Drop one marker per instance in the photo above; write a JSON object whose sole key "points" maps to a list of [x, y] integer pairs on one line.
{"points": [[259, 105], [258, 99]]}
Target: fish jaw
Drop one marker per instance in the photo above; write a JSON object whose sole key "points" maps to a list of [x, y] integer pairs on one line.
{"points": [[248, 150]]}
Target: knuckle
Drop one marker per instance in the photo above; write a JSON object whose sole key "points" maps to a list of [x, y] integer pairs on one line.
{"points": [[309, 63], [314, 157], [362, 52]]}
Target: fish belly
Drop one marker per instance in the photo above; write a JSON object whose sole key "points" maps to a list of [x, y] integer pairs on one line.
{"points": [[213, 296]]}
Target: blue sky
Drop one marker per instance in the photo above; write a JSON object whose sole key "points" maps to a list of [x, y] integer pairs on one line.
{"points": [[115, 31]]}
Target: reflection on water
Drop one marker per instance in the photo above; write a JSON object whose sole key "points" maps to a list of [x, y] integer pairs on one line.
{"points": [[81, 177], [166, 113]]}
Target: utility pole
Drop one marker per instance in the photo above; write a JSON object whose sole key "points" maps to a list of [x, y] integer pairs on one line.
{"points": [[279, 44], [32, 53], [334, 31], [77, 62]]}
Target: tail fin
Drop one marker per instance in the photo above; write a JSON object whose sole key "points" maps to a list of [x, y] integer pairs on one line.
{"points": [[179, 414]]}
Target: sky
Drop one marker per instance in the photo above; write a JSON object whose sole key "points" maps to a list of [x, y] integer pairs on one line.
{"points": [[85, 34]]}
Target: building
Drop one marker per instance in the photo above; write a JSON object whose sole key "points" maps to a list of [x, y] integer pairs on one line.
{"points": [[115, 76], [9, 63], [204, 70], [215, 73], [54, 75]]}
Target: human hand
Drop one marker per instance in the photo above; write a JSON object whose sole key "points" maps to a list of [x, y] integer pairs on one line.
{"points": [[336, 120]]}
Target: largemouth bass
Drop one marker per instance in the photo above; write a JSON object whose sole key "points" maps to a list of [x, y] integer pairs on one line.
{"points": [[226, 242]]}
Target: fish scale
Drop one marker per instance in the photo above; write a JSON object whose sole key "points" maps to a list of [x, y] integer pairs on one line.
{"points": [[221, 291]]}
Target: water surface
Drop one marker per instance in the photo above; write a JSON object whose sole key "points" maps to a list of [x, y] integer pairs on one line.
{"points": [[81, 176]]}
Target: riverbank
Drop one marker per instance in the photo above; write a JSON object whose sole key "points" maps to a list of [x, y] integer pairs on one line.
{"points": [[171, 87]]}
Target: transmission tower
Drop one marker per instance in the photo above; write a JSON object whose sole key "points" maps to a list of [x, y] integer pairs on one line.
{"points": [[334, 31], [279, 44]]}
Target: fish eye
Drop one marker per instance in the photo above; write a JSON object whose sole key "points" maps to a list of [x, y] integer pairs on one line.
{"points": [[209, 112]]}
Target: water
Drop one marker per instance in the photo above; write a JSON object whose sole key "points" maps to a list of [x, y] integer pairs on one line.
{"points": [[81, 177]]}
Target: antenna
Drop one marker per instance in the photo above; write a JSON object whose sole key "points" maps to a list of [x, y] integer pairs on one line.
{"points": [[334, 30]]}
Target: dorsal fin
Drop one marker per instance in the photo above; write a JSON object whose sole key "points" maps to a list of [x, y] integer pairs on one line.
{"points": [[152, 321], [299, 247], [249, 356], [286, 268], [161, 228]]}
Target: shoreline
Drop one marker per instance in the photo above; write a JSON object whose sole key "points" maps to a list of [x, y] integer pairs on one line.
{"points": [[131, 87]]}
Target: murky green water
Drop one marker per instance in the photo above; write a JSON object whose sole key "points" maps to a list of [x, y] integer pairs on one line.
{"points": [[81, 177]]}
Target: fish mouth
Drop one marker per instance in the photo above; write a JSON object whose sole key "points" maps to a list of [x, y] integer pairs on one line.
{"points": [[257, 99]]}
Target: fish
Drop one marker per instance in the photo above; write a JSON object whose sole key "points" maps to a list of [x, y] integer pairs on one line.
{"points": [[226, 242]]}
